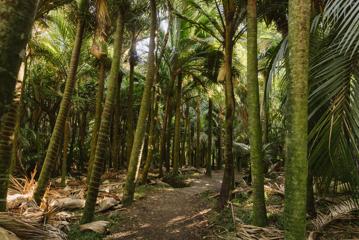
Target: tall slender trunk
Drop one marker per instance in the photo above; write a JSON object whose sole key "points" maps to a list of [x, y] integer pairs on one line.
{"points": [[18, 102], [219, 142], [197, 163], [169, 143], [255, 131], [162, 136], [177, 137], [65, 153], [104, 130], [58, 130], [296, 167], [116, 141], [129, 189], [209, 148], [99, 99], [130, 113], [151, 142], [228, 176], [264, 113], [165, 127], [16, 22], [187, 145], [82, 138], [183, 139]]}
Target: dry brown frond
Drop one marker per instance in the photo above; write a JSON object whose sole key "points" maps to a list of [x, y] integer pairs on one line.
{"points": [[335, 212], [250, 232], [29, 230]]}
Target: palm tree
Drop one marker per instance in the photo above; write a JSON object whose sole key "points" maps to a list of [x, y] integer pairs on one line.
{"points": [[178, 116], [98, 113], [209, 148], [104, 130], [151, 140], [129, 189], [130, 111], [99, 51], [154, 111], [230, 9], [15, 29], [57, 134], [332, 145], [255, 131], [64, 153], [296, 168]]}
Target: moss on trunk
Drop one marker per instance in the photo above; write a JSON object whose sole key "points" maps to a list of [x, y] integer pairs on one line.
{"points": [[255, 131], [296, 167]]}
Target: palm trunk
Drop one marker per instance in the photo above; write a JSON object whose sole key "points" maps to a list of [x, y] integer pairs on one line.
{"points": [[129, 189], [177, 137], [151, 143], [264, 113], [16, 22], [99, 99], [115, 147], [255, 131], [65, 154], [197, 162], [219, 142], [165, 127], [296, 167], [187, 139], [82, 138], [228, 176], [183, 140], [130, 117], [209, 148], [104, 130], [58, 130], [18, 101]]}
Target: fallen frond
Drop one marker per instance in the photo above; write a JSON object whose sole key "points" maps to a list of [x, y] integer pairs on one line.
{"points": [[24, 229], [335, 212], [250, 232], [98, 226]]}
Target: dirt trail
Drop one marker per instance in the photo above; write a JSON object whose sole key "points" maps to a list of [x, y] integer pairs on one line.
{"points": [[169, 214]]}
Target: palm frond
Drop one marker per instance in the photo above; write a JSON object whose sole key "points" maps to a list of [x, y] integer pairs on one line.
{"points": [[335, 212]]}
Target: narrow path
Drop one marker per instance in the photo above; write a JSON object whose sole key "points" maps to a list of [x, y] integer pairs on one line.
{"points": [[169, 214]]}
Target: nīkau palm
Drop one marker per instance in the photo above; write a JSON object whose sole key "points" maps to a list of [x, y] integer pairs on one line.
{"points": [[130, 111], [296, 167], [16, 22], [209, 148], [104, 130], [151, 141], [98, 112], [255, 131], [177, 137], [228, 177], [58, 130], [129, 189]]}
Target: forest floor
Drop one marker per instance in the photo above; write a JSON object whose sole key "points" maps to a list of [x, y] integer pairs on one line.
{"points": [[163, 212], [169, 213]]}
